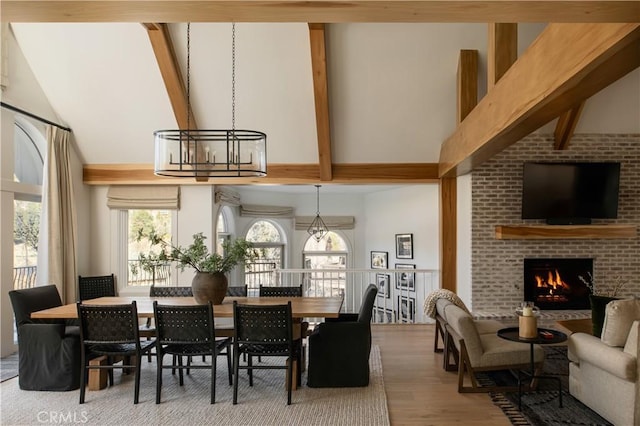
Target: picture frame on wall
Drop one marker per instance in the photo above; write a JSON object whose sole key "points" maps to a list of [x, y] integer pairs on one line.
{"points": [[383, 316], [406, 309], [379, 260], [384, 285], [406, 280], [404, 246]]}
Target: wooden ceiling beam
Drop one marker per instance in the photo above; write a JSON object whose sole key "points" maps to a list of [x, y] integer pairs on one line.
{"points": [[328, 11], [321, 98], [277, 174], [171, 74], [566, 125], [173, 82], [565, 65], [502, 51]]}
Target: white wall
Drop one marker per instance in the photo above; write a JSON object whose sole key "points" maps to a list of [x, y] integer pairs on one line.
{"points": [[412, 209], [463, 273]]}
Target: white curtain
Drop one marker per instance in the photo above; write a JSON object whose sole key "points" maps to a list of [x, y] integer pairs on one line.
{"points": [[58, 230]]}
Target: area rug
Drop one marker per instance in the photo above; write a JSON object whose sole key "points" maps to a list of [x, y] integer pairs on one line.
{"points": [[263, 404], [541, 408], [9, 367]]}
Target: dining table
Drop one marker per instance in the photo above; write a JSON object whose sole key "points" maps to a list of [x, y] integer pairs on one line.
{"points": [[301, 307]]}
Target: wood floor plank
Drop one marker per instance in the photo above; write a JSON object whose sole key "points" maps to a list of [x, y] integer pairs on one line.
{"points": [[419, 391]]}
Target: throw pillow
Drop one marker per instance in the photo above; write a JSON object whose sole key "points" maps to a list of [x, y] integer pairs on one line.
{"points": [[598, 305], [619, 316]]}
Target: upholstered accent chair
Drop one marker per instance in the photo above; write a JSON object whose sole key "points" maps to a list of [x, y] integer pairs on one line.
{"points": [[604, 372], [475, 349], [49, 355], [339, 349]]}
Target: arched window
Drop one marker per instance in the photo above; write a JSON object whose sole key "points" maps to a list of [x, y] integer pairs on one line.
{"points": [[269, 245], [223, 232], [330, 253], [29, 148]]}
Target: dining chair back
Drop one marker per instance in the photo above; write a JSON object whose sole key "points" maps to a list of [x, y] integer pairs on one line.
{"points": [[97, 286], [187, 331], [237, 291], [263, 330], [111, 330], [182, 291], [280, 291]]}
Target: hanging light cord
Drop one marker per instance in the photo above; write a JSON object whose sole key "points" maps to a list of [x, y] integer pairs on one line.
{"points": [[317, 200], [233, 78], [188, 76]]}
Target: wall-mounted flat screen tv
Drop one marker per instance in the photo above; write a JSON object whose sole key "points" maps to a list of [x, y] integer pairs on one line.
{"points": [[570, 193]]}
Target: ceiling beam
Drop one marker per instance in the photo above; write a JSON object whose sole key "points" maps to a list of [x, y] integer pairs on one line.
{"points": [[565, 65], [502, 51], [277, 174], [328, 11], [171, 74], [566, 125], [321, 98], [173, 82]]}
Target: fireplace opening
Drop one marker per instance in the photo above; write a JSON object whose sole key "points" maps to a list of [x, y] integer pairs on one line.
{"points": [[557, 283]]}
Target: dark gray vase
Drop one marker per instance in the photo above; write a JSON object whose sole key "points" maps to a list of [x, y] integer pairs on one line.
{"points": [[209, 287]]}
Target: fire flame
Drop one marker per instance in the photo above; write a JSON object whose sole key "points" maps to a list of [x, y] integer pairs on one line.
{"points": [[553, 282]]}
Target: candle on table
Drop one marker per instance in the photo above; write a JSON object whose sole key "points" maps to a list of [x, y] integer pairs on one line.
{"points": [[527, 311]]}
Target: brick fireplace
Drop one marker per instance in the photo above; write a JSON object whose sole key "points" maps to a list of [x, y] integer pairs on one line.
{"points": [[497, 265]]}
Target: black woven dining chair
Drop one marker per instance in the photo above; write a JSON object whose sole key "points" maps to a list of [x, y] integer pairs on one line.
{"points": [[111, 330], [180, 291], [188, 331], [237, 291], [161, 291], [266, 291], [97, 286], [288, 292], [263, 330]]}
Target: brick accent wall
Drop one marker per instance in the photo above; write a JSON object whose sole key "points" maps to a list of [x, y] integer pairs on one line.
{"points": [[497, 265]]}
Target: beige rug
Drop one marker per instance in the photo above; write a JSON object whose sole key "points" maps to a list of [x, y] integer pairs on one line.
{"points": [[264, 404]]}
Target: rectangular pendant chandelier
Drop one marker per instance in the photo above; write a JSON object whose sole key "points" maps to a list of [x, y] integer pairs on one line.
{"points": [[212, 153]]}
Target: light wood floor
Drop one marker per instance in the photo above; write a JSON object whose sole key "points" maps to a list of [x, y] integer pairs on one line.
{"points": [[419, 391]]}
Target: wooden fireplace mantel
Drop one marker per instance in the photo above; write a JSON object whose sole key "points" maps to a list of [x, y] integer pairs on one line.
{"points": [[545, 232]]}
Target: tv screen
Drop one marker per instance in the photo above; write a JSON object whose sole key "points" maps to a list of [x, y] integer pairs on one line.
{"points": [[566, 193]]}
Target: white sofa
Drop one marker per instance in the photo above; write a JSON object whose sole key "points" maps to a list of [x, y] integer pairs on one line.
{"points": [[603, 372]]}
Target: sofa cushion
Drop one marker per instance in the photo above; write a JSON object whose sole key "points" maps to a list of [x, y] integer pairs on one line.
{"points": [[631, 346], [488, 326], [598, 306], [441, 305], [462, 323], [614, 360], [619, 316], [501, 352]]}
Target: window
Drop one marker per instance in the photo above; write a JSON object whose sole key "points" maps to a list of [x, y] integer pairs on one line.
{"points": [[269, 246], [330, 253], [161, 221], [222, 231], [28, 168]]}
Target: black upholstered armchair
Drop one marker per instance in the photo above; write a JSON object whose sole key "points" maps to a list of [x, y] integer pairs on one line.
{"points": [[49, 350], [339, 349]]}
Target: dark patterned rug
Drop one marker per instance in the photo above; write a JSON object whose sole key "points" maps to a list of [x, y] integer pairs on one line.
{"points": [[541, 408]]}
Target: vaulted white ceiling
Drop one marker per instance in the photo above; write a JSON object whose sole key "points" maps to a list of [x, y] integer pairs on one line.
{"points": [[392, 87]]}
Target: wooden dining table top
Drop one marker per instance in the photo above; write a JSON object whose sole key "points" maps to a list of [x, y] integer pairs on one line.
{"points": [[327, 307]]}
